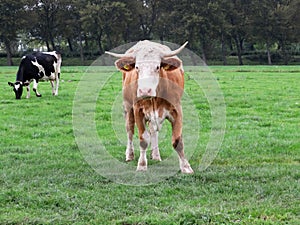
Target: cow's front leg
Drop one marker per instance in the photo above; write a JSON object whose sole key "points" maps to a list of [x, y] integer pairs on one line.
{"points": [[35, 85], [144, 138], [177, 142], [144, 142], [129, 118], [28, 91], [155, 155]]}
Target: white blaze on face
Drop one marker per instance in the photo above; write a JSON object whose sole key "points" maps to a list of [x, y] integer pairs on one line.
{"points": [[17, 86], [148, 78]]}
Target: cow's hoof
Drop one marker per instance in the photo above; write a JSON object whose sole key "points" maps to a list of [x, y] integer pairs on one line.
{"points": [[187, 169], [39, 95], [141, 168], [128, 159], [155, 157], [129, 156]]}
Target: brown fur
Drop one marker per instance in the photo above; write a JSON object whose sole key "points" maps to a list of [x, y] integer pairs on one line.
{"points": [[166, 104]]}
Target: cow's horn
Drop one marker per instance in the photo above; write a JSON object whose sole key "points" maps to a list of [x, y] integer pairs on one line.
{"points": [[174, 52], [118, 55]]}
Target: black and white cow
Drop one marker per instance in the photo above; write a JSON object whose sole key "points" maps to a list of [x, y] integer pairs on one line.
{"points": [[37, 66]]}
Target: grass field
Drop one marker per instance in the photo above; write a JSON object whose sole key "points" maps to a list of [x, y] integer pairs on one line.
{"points": [[255, 178]]}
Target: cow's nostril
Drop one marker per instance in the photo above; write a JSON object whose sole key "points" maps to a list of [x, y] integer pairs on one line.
{"points": [[145, 91]]}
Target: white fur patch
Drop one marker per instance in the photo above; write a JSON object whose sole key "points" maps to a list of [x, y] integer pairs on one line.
{"points": [[157, 121], [17, 86], [146, 136], [40, 67]]}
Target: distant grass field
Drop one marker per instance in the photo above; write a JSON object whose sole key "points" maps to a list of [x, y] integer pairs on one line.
{"points": [[255, 178]]}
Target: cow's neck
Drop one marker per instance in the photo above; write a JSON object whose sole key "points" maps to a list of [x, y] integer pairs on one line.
{"points": [[20, 75]]}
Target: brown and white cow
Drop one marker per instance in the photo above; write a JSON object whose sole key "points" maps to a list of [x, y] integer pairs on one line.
{"points": [[153, 82]]}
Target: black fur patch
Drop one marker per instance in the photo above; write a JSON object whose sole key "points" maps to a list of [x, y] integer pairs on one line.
{"points": [[143, 144], [177, 144]]}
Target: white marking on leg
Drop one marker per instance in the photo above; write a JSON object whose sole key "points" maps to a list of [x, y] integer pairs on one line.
{"points": [[35, 85], [142, 163], [185, 166], [57, 72], [57, 85], [52, 86], [129, 149], [155, 155], [28, 91]]}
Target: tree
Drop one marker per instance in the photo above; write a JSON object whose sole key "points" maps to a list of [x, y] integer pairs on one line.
{"points": [[11, 21], [285, 26], [105, 21], [46, 20], [211, 27], [263, 24]]}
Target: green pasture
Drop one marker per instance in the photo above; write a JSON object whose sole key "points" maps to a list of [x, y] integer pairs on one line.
{"points": [[255, 178]]}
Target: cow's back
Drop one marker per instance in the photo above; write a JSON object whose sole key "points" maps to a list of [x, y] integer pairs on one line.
{"points": [[47, 61]]}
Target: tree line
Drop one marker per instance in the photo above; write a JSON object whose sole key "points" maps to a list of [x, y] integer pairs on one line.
{"points": [[215, 29]]}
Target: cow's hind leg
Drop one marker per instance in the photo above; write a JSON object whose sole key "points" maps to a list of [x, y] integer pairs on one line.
{"points": [[178, 145], [56, 85], [183, 162], [35, 85], [144, 142], [129, 117], [52, 86]]}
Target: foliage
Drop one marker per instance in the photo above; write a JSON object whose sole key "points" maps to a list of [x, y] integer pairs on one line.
{"points": [[215, 29]]}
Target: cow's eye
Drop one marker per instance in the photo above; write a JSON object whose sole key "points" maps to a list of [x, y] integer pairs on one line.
{"points": [[157, 67], [137, 68]]}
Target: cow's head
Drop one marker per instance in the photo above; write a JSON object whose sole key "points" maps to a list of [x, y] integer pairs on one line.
{"points": [[18, 88], [147, 59]]}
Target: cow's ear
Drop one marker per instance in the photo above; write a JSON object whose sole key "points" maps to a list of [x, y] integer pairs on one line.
{"points": [[11, 84], [125, 64], [170, 64]]}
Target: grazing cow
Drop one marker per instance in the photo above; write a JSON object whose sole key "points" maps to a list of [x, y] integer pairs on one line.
{"points": [[34, 67], [153, 82]]}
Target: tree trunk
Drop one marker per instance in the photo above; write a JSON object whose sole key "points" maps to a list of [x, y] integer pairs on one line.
{"points": [[70, 44], [52, 42], [81, 50], [203, 46], [100, 45], [223, 49], [204, 58], [8, 52], [48, 46], [239, 50], [269, 54], [284, 54]]}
